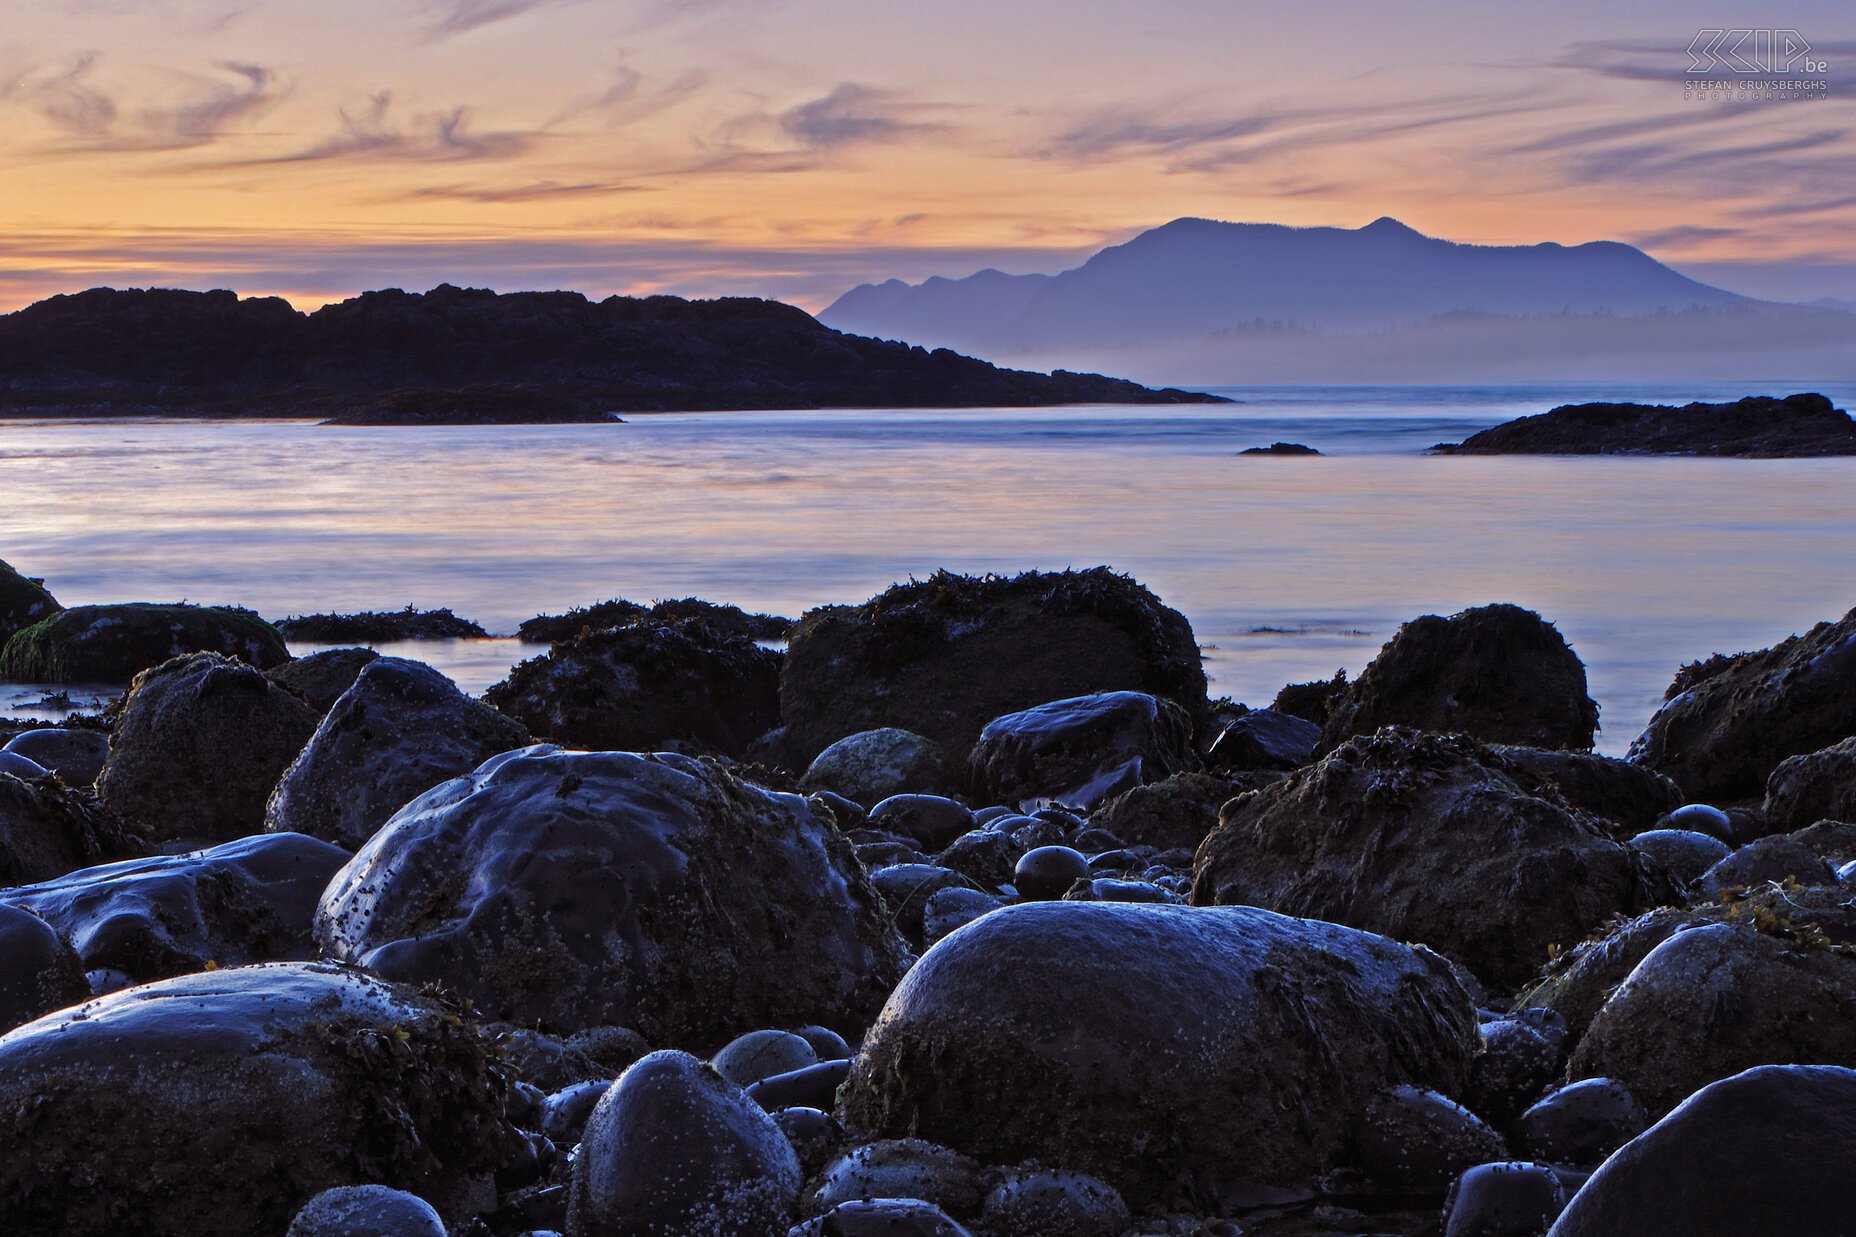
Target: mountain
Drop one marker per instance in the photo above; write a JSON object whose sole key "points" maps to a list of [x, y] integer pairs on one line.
{"points": [[1204, 302], [455, 354]]}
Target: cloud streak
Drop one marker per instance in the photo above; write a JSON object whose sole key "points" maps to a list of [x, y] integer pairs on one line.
{"points": [[435, 137], [91, 119]]}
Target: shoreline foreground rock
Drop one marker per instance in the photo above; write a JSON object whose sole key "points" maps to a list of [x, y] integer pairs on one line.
{"points": [[1799, 426]]}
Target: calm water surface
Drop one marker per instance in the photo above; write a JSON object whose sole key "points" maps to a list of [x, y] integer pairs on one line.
{"points": [[1288, 568]]}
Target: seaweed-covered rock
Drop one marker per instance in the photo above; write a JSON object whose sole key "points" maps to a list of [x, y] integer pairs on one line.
{"points": [[873, 765], [725, 620], [1806, 789], [1631, 796], [246, 901], [1175, 1052], [1174, 814], [1499, 673], [1312, 702], [675, 1148], [38, 970], [380, 627], [945, 655], [1727, 723], [399, 731], [322, 677], [223, 1102], [47, 830], [647, 689], [1081, 751], [1430, 838], [1765, 1151], [576, 889], [199, 747], [113, 644], [23, 602], [76, 756]]}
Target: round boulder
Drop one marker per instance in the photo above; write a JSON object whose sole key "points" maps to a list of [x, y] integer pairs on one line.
{"points": [[39, 972], [322, 677], [366, 1211], [23, 602], [1683, 853], [113, 644], [76, 756], [870, 766]]}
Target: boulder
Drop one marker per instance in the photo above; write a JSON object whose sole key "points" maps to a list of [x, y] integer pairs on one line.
{"points": [[399, 731], [1174, 814], [113, 644], [1728, 722], [322, 677], [901, 1168], [380, 627], [38, 970], [1416, 1141], [1176, 1052], [366, 1211], [223, 1102], [1806, 789], [1082, 751], [76, 756], [1777, 858], [246, 901], [881, 1217], [23, 602], [946, 655], [1505, 1199], [1716, 999], [931, 821], [199, 747], [1765, 1151], [1426, 838], [575, 889], [726, 620], [47, 830], [1683, 853], [1264, 739], [1582, 1122], [675, 1148], [1311, 702], [647, 689], [1040, 1203], [1628, 795], [1498, 673], [872, 765]]}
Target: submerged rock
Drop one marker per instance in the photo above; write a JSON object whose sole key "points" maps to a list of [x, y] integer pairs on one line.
{"points": [[1425, 838], [223, 1102], [380, 627], [23, 602], [1806, 789], [1174, 1052], [1498, 673], [1727, 723], [575, 889], [113, 644], [946, 655], [399, 731], [646, 689], [199, 747], [1082, 751]]}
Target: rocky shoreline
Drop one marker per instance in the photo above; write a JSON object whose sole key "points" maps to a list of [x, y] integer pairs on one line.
{"points": [[966, 912], [1802, 426]]}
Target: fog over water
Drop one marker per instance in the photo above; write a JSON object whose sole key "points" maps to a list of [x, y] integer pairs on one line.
{"points": [[1288, 567]]}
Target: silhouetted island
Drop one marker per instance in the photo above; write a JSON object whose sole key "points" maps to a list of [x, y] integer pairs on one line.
{"points": [[1757, 427], [456, 355]]}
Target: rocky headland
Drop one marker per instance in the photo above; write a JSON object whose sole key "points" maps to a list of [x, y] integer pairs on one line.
{"points": [[1756, 427], [965, 914]]}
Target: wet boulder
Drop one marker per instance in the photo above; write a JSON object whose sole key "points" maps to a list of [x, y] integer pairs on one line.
{"points": [[399, 731], [199, 747], [1416, 1141], [1082, 751], [39, 972], [1264, 739], [872, 765], [1173, 1051], [902, 1168], [575, 889], [1806, 789], [945, 655], [47, 830], [1504, 1199], [1582, 1122], [1631, 796], [322, 677], [113, 644], [1430, 838], [650, 688], [366, 1211], [246, 901], [1765, 1151], [1498, 673], [23, 602], [1683, 853], [932, 821], [1728, 722], [675, 1148], [223, 1102], [1716, 999], [76, 756], [1174, 814]]}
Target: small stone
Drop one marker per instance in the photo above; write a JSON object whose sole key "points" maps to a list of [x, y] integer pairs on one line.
{"points": [[1510, 1199], [1048, 872]]}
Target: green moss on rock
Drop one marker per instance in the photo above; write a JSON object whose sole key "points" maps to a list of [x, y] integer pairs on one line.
{"points": [[23, 601], [114, 643]]}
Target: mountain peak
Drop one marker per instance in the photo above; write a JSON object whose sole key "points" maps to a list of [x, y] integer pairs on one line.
{"points": [[1386, 225]]}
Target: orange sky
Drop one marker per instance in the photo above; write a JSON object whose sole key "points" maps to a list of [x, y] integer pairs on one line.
{"points": [[796, 147]]}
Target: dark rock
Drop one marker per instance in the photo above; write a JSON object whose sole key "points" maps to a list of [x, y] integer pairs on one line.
{"points": [[47, 830], [221, 1103], [600, 616], [1425, 838], [725, 620], [1835, 840], [946, 655], [1582, 1122], [1417, 1141], [324, 677], [1756, 427], [399, 731], [549, 1063], [1082, 751], [814, 1086], [23, 602], [747, 1059], [574, 889], [1627, 794], [113, 644], [873, 765], [901, 1168], [674, 1148], [39, 972], [1728, 722], [613, 1048], [1175, 814], [1041, 1203], [1578, 981], [646, 689], [1280, 448], [906, 888], [241, 902], [1312, 702], [380, 627], [983, 856], [1165, 1049], [199, 747], [1498, 673], [76, 756], [1777, 858], [1683, 853], [1766, 1151], [15, 765], [1515, 1063], [931, 820], [816, 1136], [1701, 818], [827, 1043], [1512, 1199], [564, 1113], [881, 1217], [1806, 789], [954, 908], [1108, 889], [1265, 739], [1048, 872], [366, 1211]]}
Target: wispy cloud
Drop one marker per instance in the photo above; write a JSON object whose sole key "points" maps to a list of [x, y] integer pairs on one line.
{"points": [[631, 97], [90, 118], [532, 191], [370, 133], [1683, 236], [809, 135], [454, 17]]}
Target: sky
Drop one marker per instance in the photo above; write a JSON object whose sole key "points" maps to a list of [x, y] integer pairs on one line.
{"points": [[795, 148]]}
